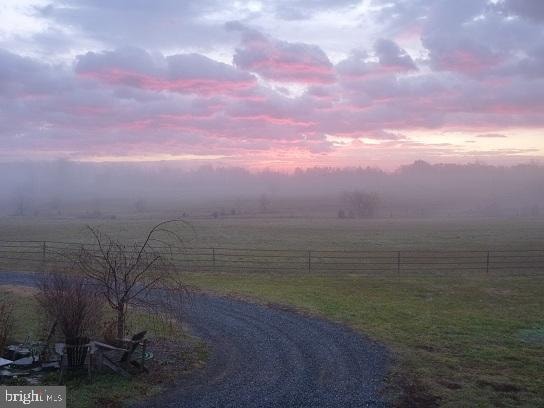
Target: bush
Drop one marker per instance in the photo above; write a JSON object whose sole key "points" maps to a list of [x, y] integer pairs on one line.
{"points": [[6, 322], [72, 303]]}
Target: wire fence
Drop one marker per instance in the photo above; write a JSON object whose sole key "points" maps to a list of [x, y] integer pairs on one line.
{"points": [[35, 255]]}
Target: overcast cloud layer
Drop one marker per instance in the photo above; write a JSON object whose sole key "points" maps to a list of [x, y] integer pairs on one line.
{"points": [[272, 83]]}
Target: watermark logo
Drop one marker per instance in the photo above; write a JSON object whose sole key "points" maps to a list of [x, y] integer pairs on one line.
{"points": [[33, 396]]}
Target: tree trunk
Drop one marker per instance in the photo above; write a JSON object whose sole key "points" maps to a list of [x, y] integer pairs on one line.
{"points": [[121, 322]]}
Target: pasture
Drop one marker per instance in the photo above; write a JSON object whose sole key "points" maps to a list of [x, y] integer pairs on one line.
{"points": [[471, 340], [300, 232]]}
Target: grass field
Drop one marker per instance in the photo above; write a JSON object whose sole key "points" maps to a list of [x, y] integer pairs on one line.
{"points": [[302, 233], [456, 341]]}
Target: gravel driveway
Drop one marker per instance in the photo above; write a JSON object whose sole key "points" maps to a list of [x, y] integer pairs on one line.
{"points": [[269, 357]]}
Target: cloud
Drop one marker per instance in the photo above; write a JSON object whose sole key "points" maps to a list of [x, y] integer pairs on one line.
{"points": [[304, 9], [477, 38], [119, 23], [393, 57], [184, 73], [23, 77], [468, 65], [532, 65], [388, 58], [280, 60], [531, 9], [492, 136]]}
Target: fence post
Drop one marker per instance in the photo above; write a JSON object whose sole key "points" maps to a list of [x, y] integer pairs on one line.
{"points": [[309, 261], [487, 263], [398, 262], [213, 258]]}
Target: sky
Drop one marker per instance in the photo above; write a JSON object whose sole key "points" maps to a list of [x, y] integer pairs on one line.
{"points": [[272, 84]]}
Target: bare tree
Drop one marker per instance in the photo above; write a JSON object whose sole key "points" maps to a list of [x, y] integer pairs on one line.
{"points": [[264, 203], [21, 205], [55, 205], [128, 274], [361, 203], [140, 206]]}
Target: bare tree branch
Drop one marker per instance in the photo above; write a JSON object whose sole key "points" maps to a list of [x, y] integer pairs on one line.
{"points": [[128, 274]]}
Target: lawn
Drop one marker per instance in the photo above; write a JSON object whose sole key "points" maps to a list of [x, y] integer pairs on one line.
{"points": [[456, 341]]}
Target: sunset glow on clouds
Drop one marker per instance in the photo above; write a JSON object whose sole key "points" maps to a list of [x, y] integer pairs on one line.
{"points": [[275, 84]]}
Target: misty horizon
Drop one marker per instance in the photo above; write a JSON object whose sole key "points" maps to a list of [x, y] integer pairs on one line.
{"points": [[419, 189]]}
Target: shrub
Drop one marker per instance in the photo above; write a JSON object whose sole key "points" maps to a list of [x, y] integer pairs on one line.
{"points": [[6, 322], [72, 303]]}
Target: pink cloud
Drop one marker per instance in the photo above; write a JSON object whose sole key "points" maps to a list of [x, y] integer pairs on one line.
{"points": [[280, 60], [182, 73], [151, 104], [198, 86], [466, 61], [275, 120]]}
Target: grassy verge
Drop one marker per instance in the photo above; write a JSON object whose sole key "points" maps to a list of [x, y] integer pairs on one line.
{"points": [[175, 353], [457, 341]]}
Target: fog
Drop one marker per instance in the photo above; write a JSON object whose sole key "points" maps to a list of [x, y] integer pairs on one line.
{"points": [[65, 188]]}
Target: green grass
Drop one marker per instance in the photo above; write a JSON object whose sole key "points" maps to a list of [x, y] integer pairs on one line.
{"points": [[27, 322], [109, 390], [302, 233], [461, 341]]}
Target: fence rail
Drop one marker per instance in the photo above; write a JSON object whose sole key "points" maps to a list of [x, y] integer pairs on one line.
{"points": [[31, 255]]}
